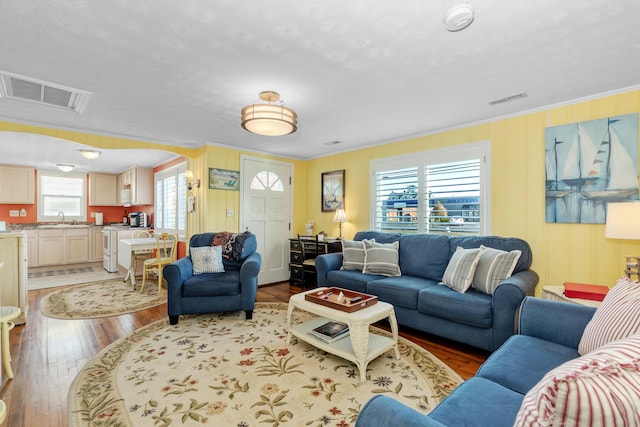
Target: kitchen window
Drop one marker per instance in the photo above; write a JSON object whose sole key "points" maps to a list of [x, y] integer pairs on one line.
{"points": [[444, 191], [61, 196], [170, 200]]}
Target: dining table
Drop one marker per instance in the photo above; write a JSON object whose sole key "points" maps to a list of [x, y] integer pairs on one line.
{"points": [[126, 253]]}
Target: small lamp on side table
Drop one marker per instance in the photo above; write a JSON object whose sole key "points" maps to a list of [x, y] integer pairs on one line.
{"points": [[623, 222], [340, 217]]}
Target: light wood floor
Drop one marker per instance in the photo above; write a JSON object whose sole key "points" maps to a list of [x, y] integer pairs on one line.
{"points": [[48, 353]]}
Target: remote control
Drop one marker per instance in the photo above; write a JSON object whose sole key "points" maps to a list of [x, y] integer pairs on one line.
{"points": [[356, 299]]}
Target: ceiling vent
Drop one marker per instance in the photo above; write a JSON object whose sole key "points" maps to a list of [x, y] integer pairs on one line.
{"points": [[21, 87], [508, 98]]}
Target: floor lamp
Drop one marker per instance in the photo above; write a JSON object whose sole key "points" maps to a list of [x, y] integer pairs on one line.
{"points": [[623, 223], [340, 217]]}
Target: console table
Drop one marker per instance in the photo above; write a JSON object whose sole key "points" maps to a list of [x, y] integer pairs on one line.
{"points": [[296, 272]]}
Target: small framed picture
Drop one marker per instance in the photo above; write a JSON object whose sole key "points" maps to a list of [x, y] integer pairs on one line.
{"points": [[332, 190], [224, 179]]}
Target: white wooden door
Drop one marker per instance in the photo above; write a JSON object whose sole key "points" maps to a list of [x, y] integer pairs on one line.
{"points": [[266, 212]]}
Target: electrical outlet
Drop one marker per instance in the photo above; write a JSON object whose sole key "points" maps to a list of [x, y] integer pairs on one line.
{"points": [[230, 212], [93, 214], [14, 212], [23, 212]]}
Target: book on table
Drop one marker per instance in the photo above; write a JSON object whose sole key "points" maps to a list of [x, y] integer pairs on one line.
{"points": [[330, 331]]}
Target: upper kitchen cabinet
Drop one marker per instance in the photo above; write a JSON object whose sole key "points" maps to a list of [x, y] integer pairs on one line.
{"points": [[137, 186], [103, 190], [17, 185]]}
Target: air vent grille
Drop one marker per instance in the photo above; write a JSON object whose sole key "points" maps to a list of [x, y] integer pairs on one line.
{"points": [[20, 87], [508, 98]]}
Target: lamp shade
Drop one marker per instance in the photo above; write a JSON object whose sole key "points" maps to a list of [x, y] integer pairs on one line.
{"points": [[340, 216], [623, 221]]}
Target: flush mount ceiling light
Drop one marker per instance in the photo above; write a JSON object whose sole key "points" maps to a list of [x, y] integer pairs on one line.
{"points": [[272, 119], [458, 17], [90, 154], [65, 167]]}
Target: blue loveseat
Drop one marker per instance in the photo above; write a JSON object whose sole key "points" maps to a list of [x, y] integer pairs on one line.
{"points": [[549, 334], [233, 290], [475, 318]]}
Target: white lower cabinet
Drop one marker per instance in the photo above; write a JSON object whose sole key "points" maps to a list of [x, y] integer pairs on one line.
{"points": [[96, 243], [13, 273], [63, 246]]}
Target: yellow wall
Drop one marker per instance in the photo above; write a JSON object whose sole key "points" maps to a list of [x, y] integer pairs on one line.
{"points": [[561, 252]]}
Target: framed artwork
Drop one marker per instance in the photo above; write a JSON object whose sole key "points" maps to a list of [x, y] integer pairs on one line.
{"points": [[589, 165], [332, 190], [224, 179]]}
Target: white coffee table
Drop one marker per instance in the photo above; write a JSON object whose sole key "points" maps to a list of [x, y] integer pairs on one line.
{"points": [[362, 346]]}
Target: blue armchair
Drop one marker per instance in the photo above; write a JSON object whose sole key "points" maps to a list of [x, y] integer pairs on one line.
{"points": [[234, 289]]}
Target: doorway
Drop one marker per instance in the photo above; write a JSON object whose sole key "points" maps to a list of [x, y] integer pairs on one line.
{"points": [[266, 212]]}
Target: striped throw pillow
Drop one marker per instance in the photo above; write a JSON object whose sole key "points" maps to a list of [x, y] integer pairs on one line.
{"points": [[461, 268], [353, 255], [381, 258], [493, 267], [617, 317], [601, 388]]}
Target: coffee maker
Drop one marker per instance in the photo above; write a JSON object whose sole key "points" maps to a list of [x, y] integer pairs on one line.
{"points": [[138, 219]]}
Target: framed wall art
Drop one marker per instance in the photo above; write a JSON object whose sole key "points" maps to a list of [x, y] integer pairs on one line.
{"points": [[224, 179], [332, 190]]}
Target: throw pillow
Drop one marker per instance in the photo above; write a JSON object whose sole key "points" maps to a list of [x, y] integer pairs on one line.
{"points": [[353, 255], [461, 268], [381, 258], [617, 317], [493, 267], [601, 388], [207, 259]]}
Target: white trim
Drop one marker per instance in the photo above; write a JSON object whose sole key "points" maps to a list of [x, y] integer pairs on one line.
{"points": [[83, 199]]}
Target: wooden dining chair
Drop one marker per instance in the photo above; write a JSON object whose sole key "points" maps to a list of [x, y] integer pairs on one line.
{"points": [[143, 254], [165, 253]]}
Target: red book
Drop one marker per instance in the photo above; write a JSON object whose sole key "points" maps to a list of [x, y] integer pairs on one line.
{"points": [[584, 291]]}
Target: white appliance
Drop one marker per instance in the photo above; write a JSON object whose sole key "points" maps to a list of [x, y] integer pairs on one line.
{"points": [[99, 218], [110, 237]]}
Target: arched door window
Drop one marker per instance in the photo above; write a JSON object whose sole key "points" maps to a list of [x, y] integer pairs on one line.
{"points": [[266, 180]]}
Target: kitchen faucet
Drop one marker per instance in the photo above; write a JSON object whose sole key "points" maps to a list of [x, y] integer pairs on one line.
{"points": [[61, 213]]}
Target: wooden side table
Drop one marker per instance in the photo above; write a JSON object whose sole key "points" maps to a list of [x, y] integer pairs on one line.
{"points": [[556, 293]]}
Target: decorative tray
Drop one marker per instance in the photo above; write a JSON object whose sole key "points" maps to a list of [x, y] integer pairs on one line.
{"points": [[329, 298]]}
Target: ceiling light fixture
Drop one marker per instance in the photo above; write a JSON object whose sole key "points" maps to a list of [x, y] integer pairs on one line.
{"points": [[90, 154], [65, 167], [459, 17], [272, 119]]}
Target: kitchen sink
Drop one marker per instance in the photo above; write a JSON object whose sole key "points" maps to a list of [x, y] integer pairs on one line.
{"points": [[63, 226]]}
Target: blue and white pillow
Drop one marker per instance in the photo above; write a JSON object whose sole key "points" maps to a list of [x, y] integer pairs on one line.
{"points": [[207, 259]]}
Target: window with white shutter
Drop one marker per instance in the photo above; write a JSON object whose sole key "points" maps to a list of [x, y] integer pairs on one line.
{"points": [[170, 208]]}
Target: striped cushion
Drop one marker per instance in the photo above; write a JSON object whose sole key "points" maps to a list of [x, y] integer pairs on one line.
{"points": [[353, 255], [381, 258], [617, 317], [599, 389], [493, 267], [461, 268]]}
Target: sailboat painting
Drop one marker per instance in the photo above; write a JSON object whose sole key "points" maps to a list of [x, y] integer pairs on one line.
{"points": [[589, 164]]}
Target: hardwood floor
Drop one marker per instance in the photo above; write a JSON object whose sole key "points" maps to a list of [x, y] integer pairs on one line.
{"points": [[48, 353]]}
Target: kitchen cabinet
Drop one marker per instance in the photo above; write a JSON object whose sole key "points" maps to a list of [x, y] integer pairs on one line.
{"points": [[96, 243], [13, 273], [22, 188], [32, 247], [63, 246], [140, 182], [103, 189]]}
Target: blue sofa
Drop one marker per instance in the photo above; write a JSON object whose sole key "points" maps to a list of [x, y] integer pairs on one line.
{"points": [[494, 396], [473, 317], [235, 289]]}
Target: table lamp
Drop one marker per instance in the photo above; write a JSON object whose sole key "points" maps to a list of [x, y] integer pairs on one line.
{"points": [[340, 217], [623, 222]]}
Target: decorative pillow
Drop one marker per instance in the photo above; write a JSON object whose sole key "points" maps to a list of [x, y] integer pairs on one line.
{"points": [[461, 268], [353, 255], [617, 317], [493, 267], [598, 389], [207, 259], [232, 244], [381, 258]]}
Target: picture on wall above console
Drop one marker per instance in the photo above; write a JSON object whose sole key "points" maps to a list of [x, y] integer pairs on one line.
{"points": [[588, 165], [332, 190], [224, 179]]}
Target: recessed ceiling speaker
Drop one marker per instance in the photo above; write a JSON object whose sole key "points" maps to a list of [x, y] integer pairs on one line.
{"points": [[458, 17]]}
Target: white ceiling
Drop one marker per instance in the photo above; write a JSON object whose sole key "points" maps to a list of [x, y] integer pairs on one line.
{"points": [[362, 72]]}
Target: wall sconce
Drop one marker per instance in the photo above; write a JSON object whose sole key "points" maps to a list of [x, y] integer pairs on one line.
{"points": [[191, 181], [340, 217]]}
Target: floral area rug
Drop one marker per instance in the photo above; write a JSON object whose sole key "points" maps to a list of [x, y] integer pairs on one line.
{"points": [[100, 299], [223, 370]]}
